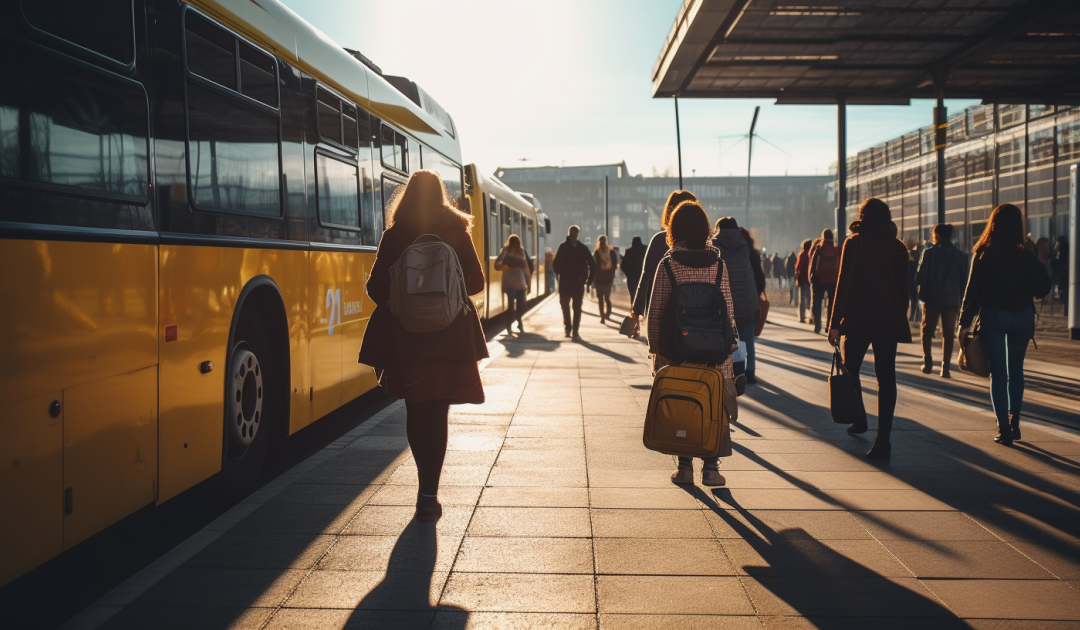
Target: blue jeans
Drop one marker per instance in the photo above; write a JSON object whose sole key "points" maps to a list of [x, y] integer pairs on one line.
{"points": [[1004, 337], [746, 333]]}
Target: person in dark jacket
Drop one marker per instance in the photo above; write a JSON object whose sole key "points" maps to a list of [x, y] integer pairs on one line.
{"points": [[778, 270], [870, 309], [1059, 268], [941, 276], [658, 248], [824, 273], [766, 266], [789, 273], [606, 263], [434, 370], [632, 263], [1004, 280], [802, 279], [759, 284], [744, 294], [575, 267], [913, 288]]}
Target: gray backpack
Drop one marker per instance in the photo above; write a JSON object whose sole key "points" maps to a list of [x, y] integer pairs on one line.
{"points": [[427, 287]]}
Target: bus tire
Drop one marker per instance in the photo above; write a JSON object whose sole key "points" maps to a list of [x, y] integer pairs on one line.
{"points": [[255, 408]]}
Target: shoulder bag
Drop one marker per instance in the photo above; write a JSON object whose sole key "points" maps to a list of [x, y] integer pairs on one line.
{"points": [[972, 358], [844, 400]]}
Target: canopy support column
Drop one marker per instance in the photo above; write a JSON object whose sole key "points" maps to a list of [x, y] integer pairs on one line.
{"points": [[841, 170], [940, 128], [678, 140]]}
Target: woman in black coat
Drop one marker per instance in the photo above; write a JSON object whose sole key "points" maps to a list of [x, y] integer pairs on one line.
{"points": [[1003, 282], [658, 248], [870, 309]]}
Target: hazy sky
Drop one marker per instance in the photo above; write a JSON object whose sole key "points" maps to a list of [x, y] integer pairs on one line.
{"points": [[569, 82]]}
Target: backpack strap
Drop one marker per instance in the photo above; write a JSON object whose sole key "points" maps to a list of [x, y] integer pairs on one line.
{"points": [[427, 238], [719, 271], [670, 273]]}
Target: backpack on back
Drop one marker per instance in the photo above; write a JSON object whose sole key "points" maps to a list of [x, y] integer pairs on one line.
{"points": [[688, 412], [427, 286], [828, 265], [696, 326]]}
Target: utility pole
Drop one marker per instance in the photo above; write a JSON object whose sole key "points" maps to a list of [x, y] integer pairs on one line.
{"points": [[678, 140], [606, 228], [749, 159], [841, 170]]}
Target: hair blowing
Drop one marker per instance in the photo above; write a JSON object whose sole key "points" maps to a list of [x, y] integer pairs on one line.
{"points": [[674, 199], [1004, 231], [422, 205], [689, 226]]}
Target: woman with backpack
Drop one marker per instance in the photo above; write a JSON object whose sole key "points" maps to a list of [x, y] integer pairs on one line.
{"points": [[430, 370], [606, 264], [1003, 282], [870, 309], [691, 260], [658, 248], [513, 262]]}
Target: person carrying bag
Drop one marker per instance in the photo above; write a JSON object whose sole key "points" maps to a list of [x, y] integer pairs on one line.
{"points": [[513, 262], [691, 337]]}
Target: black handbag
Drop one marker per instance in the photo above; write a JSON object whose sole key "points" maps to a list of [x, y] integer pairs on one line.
{"points": [[844, 400], [972, 359]]}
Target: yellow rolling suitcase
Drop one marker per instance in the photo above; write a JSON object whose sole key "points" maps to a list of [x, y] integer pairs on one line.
{"points": [[687, 413]]}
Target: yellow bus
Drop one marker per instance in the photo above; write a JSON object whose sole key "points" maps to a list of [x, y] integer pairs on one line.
{"points": [[191, 196]]}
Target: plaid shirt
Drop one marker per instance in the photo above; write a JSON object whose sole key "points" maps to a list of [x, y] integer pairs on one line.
{"points": [[661, 293]]}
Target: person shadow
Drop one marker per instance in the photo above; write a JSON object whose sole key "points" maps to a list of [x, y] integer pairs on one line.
{"points": [[800, 575], [407, 597]]}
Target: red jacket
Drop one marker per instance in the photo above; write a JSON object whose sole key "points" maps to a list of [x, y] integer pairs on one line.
{"points": [[802, 269]]}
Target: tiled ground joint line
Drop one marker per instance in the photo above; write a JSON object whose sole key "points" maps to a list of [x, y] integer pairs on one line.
{"points": [[132, 588]]}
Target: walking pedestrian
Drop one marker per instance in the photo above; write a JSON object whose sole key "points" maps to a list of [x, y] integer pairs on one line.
{"points": [[941, 276], [1059, 266], [913, 272], [431, 370], [658, 248], [1005, 279], [802, 279], [778, 269], [735, 251], [789, 271], [767, 266], [632, 262], [759, 284], [691, 260], [575, 267], [606, 264], [824, 272], [869, 310], [549, 270], [516, 273]]}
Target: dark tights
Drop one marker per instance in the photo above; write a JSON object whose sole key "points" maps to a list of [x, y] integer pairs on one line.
{"points": [[425, 424], [885, 368]]}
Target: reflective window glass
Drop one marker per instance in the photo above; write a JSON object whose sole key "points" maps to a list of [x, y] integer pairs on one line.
{"points": [[348, 117], [329, 115], [390, 150], [336, 191], [80, 129], [389, 189], [258, 76], [103, 26], [233, 163], [450, 173], [211, 51]]}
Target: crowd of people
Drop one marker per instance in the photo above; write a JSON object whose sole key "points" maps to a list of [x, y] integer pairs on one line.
{"points": [[860, 292]]}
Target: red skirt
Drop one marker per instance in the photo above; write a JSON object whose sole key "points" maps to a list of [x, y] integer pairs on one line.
{"points": [[458, 383]]}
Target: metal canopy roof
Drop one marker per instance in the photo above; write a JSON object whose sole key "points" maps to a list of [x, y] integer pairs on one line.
{"points": [[873, 51]]}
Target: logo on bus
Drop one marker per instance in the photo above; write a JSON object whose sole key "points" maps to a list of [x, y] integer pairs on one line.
{"points": [[335, 307]]}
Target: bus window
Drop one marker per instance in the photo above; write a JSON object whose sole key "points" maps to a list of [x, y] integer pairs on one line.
{"points": [[258, 76], [389, 189], [105, 28], [233, 158], [391, 148], [493, 225], [412, 157], [348, 126], [329, 115], [450, 172], [336, 194], [81, 129]]}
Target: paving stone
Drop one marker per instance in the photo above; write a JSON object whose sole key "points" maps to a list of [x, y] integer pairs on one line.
{"points": [[687, 622], [508, 496], [826, 596], [330, 493], [659, 556], [262, 550], [808, 557], [187, 617], [965, 559], [538, 477], [502, 592], [222, 587], [650, 524], [672, 595], [380, 590], [530, 522], [480, 554], [412, 551], [772, 524], [406, 495], [915, 525], [1009, 599], [453, 620], [669, 498], [392, 520]]}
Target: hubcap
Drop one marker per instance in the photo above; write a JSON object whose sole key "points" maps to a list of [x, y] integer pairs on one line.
{"points": [[245, 404]]}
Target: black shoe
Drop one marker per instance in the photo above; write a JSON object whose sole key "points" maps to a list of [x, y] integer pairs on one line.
{"points": [[927, 368], [880, 451], [1015, 426], [858, 428], [568, 333], [1004, 439], [750, 380]]}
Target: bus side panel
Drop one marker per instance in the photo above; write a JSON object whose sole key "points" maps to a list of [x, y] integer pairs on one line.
{"points": [[200, 287], [31, 485], [325, 336], [74, 313]]}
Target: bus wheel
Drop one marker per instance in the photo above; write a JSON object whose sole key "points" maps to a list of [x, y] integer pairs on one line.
{"points": [[249, 407]]}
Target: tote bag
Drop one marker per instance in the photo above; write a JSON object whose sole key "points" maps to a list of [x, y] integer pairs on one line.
{"points": [[972, 358], [844, 400]]}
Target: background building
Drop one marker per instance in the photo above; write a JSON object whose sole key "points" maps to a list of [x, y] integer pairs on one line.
{"points": [[996, 154], [783, 210]]}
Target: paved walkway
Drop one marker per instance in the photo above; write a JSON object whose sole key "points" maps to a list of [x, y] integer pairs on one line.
{"points": [[556, 516]]}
